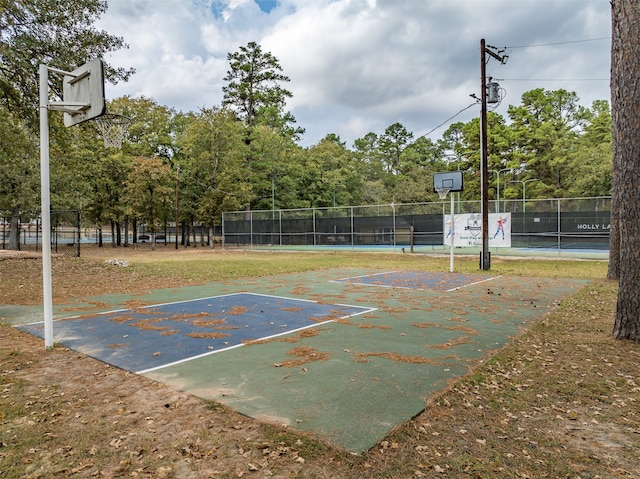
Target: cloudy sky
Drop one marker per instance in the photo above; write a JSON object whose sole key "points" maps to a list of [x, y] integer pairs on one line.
{"points": [[358, 66]]}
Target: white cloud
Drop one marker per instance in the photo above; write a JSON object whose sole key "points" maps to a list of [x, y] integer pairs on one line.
{"points": [[361, 65]]}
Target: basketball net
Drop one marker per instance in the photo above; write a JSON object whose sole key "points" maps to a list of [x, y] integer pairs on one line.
{"points": [[113, 129], [443, 192]]}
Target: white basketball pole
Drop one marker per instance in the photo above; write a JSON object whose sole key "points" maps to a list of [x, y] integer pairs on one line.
{"points": [[45, 207], [453, 231]]}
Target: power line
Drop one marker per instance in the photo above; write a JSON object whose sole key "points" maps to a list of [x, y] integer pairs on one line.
{"points": [[554, 79], [562, 43], [449, 119]]}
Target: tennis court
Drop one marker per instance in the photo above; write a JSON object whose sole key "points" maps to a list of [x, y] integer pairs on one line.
{"points": [[345, 355]]}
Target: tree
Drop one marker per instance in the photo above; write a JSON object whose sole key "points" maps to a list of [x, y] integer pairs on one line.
{"points": [[214, 176], [149, 191], [545, 125], [275, 171], [330, 177], [391, 144], [18, 171], [254, 90], [151, 132], [59, 34], [625, 103], [589, 157], [419, 161], [108, 178], [255, 95]]}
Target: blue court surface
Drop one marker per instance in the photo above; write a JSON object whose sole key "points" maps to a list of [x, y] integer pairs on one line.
{"points": [[421, 281], [143, 339]]}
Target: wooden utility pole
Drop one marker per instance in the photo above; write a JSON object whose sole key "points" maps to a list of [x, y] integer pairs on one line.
{"points": [[485, 255]]}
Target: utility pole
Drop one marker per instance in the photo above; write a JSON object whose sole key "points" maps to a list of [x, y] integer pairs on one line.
{"points": [[485, 255], [177, 201]]}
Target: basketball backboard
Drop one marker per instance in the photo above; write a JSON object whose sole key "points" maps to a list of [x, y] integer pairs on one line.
{"points": [[83, 93], [451, 180]]}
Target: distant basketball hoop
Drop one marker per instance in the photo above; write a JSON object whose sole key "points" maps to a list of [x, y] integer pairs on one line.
{"points": [[113, 129], [445, 183]]}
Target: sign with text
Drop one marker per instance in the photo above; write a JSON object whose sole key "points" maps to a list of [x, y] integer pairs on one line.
{"points": [[468, 230]]}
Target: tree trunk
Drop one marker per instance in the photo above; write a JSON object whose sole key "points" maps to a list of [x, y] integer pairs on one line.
{"points": [[625, 103], [613, 271], [126, 231], [14, 230], [135, 230], [118, 233], [211, 237]]}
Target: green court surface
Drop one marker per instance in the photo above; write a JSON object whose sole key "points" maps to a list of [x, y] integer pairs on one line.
{"points": [[351, 380]]}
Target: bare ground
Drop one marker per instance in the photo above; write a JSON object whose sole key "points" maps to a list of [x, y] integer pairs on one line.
{"points": [[562, 401]]}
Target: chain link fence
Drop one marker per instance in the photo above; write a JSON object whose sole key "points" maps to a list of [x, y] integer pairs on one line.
{"points": [[562, 224], [23, 231]]}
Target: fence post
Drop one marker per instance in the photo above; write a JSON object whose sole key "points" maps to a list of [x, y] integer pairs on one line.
{"points": [[393, 213], [79, 230], [221, 230], [559, 227], [352, 223]]}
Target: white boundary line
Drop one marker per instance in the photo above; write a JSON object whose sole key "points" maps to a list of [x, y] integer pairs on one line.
{"points": [[474, 283], [103, 313], [344, 280], [266, 338], [361, 276]]}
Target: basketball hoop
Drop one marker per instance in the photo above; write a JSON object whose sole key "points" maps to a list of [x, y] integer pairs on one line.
{"points": [[113, 129], [442, 192]]}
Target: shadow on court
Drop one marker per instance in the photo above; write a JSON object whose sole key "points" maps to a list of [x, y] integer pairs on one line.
{"points": [[344, 355]]}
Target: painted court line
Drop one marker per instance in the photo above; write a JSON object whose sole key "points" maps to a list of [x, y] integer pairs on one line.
{"points": [[235, 346], [107, 336], [266, 338], [403, 280], [361, 276], [474, 283], [150, 306]]}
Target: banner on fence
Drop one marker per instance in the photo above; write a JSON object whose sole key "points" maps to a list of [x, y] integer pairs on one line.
{"points": [[468, 230]]}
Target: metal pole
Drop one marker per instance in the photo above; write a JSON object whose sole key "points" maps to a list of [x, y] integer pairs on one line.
{"points": [[559, 228], [221, 231], [393, 209], [485, 262], [177, 201], [453, 232], [45, 206], [79, 230]]}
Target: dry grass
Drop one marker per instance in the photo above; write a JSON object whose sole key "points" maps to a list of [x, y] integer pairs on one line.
{"points": [[560, 401]]}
